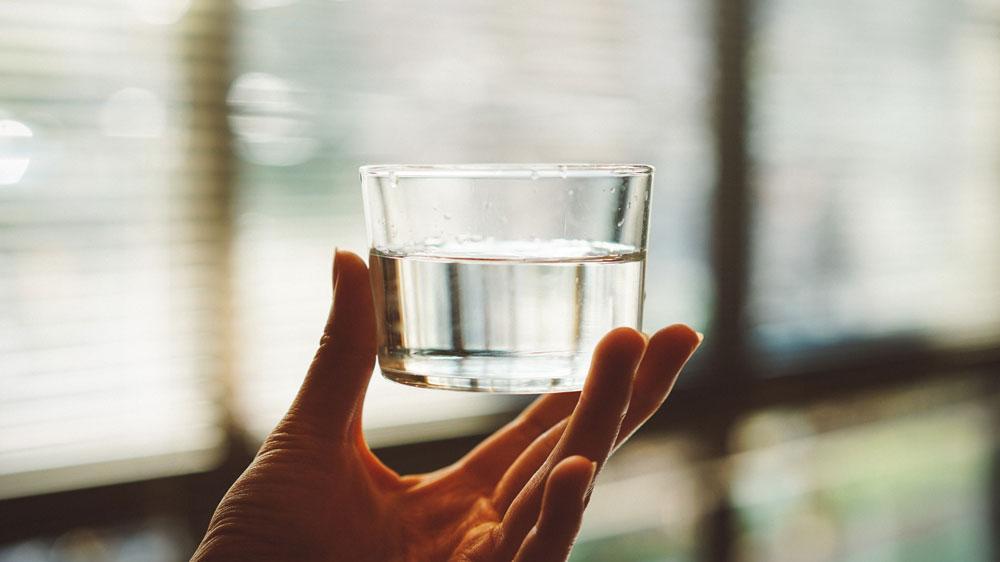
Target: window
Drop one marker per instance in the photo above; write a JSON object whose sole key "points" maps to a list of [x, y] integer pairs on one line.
{"points": [[666, 529], [108, 361], [904, 477], [877, 161], [174, 176], [154, 287]]}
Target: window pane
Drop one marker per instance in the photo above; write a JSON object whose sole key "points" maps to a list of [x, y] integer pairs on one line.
{"points": [[156, 539], [105, 352], [621, 522], [892, 477], [876, 148], [323, 87]]}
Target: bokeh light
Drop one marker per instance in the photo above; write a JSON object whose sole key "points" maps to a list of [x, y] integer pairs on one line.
{"points": [[270, 120], [14, 150]]}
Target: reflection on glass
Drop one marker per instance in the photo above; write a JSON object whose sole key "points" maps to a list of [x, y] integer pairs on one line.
{"points": [[892, 478], [877, 159]]}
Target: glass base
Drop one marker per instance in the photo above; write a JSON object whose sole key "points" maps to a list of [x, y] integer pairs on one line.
{"points": [[527, 375]]}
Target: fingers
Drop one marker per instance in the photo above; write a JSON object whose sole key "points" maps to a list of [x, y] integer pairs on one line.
{"points": [[330, 398], [595, 422], [666, 353], [521, 471], [491, 458], [562, 512], [592, 428]]}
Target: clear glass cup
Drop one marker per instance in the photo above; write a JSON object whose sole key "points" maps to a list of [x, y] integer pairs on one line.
{"points": [[502, 278]]}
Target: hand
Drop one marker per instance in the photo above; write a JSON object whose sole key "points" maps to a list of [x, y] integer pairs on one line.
{"points": [[315, 491]]}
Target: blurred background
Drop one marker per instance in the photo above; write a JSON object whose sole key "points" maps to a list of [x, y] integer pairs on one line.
{"points": [[174, 175]]}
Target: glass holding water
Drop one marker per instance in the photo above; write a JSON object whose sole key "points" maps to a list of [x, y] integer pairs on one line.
{"points": [[502, 278]]}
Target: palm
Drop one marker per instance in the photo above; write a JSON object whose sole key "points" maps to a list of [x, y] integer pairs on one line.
{"points": [[316, 492]]}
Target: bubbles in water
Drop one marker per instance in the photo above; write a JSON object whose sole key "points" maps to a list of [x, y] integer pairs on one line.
{"points": [[563, 173], [535, 175], [621, 222], [446, 216], [571, 192], [393, 180]]}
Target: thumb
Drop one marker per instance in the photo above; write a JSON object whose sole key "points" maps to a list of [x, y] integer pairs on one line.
{"points": [[330, 398]]}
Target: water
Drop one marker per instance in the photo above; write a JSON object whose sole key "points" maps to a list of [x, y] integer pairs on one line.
{"points": [[513, 316]]}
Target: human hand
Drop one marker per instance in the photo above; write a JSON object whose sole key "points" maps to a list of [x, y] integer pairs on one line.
{"points": [[315, 491]]}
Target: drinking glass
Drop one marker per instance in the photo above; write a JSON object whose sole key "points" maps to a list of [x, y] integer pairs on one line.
{"points": [[502, 278]]}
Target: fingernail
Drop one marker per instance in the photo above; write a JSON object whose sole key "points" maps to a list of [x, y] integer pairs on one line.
{"points": [[593, 469], [701, 336]]}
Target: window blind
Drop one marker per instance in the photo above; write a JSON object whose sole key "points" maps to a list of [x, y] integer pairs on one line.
{"points": [[107, 300]]}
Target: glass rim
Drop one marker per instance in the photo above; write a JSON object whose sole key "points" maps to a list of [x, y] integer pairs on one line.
{"points": [[505, 171]]}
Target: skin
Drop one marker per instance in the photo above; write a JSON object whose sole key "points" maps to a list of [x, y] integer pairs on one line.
{"points": [[315, 491]]}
